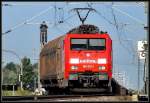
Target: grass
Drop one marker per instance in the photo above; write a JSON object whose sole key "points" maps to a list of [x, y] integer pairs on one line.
{"points": [[19, 92]]}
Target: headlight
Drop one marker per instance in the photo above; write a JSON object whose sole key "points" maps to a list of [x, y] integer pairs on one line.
{"points": [[101, 67], [74, 60], [74, 67], [102, 61]]}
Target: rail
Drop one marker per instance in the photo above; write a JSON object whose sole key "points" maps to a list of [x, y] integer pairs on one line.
{"points": [[34, 98]]}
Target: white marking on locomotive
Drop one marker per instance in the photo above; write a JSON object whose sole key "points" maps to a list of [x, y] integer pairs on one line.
{"points": [[87, 61], [87, 54], [77, 60]]}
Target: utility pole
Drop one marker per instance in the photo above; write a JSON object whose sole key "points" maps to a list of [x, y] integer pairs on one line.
{"points": [[138, 74], [21, 76], [34, 70], [146, 58], [2, 72], [142, 55], [146, 76]]}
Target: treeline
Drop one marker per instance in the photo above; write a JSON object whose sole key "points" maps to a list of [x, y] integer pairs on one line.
{"points": [[11, 71]]}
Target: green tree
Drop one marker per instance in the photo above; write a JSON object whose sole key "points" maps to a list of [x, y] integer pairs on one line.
{"points": [[29, 72], [11, 66], [9, 73]]}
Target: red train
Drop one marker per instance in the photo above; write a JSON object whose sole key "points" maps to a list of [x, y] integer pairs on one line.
{"points": [[80, 59]]}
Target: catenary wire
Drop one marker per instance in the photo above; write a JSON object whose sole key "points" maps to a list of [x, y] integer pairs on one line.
{"points": [[26, 21]]}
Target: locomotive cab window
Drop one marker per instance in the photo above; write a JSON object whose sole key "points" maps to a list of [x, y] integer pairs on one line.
{"points": [[88, 44], [78, 44], [96, 44]]}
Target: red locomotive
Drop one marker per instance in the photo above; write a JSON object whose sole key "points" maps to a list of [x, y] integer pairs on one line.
{"points": [[80, 59]]}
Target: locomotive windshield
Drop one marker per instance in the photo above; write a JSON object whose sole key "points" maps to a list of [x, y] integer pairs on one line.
{"points": [[88, 44]]}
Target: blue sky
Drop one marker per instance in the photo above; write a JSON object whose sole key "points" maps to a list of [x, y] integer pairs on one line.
{"points": [[25, 38]]}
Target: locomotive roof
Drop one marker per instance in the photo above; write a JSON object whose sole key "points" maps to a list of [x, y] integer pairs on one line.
{"points": [[82, 29]]}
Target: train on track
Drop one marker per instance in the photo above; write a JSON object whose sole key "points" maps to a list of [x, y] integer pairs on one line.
{"points": [[82, 58]]}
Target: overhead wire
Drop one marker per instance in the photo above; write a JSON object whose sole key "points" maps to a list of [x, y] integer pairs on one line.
{"points": [[133, 18], [118, 29], [64, 21], [133, 50], [104, 17], [62, 18], [10, 51], [25, 4], [131, 45], [90, 5], [26, 21], [110, 22], [126, 48], [32, 23], [117, 26]]}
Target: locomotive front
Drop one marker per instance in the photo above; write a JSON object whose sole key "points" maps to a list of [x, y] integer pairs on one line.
{"points": [[88, 60]]}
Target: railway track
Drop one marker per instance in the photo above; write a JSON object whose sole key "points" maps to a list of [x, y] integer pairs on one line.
{"points": [[119, 93], [115, 95], [93, 97], [15, 98]]}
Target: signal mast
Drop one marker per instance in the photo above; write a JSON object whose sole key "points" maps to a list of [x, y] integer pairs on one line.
{"points": [[43, 33]]}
